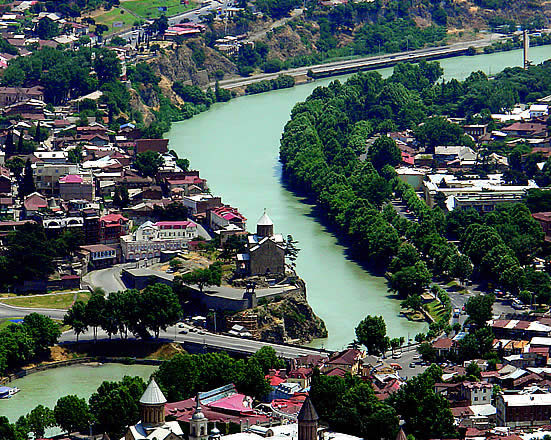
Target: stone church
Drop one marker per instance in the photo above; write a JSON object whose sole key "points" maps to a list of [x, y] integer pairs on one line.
{"points": [[265, 254]]}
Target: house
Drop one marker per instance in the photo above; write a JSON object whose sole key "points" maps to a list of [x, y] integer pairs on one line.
{"points": [[443, 347], [223, 216], [100, 255], [11, 95], [526, 129], [112, 227], [475, 130], [33, 204], [46, 176], [301, 375], [476, 393], [538, 110], [77, 187], [348, 360], [158, 145]]}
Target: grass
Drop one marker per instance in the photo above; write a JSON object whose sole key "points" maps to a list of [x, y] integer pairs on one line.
{"points": [[59, 301], [113, 16], [149, 9], [436, 309], [5, 322]]}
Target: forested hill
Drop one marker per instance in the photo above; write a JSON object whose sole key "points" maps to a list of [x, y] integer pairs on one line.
{"points": [[320, 150]]}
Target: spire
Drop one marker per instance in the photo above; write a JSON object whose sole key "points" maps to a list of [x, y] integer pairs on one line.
{"points": [[198, 413], [307, 412], [153, 395], [265, 220]]}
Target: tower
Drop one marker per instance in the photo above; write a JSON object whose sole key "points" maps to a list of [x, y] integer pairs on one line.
{"points": [[198, 423], [307, 421], [152, 405], [265, 226]]}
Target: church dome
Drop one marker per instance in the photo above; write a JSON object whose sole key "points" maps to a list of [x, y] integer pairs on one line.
{"points": [[265, 220], [153, 395]]}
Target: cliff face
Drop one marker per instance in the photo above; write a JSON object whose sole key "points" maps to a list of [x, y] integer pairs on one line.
{"points": [[193, 63], [288, 319]]}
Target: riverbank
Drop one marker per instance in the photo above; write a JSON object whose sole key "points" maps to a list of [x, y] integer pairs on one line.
{"points": [[340, 291]]}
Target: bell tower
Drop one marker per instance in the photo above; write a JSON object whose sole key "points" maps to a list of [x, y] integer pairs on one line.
{"points": [[307, 421], [198, 423], [265, 226]]}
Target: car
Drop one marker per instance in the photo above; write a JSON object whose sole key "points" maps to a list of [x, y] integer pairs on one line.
{"points": [[396, 355], [181, 325], [412, 365], [201, 332], [184, 332], [416, 357], [396, 366], [456, 313]]}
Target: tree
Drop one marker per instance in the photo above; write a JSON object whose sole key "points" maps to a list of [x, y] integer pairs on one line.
{"points": [[107, 66], [76, 318], [384, 151], [427, 414], [27, 185], [291, 250], [115, 404], [211, 276], [7, 430], [74, 155], [148, 163], [72, 414], [427, 351], [479, 309], [175, 264], [94, 311], [28, 255], [268, 359], [462, 267], [159, 307], [16, 166], [371, 332], [47, 29], [473, 371], [411, 280], [44, 331], [39, 419]]}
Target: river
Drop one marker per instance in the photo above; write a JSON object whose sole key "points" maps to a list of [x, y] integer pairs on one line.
{"points": [[46, 387], [235, 145]]}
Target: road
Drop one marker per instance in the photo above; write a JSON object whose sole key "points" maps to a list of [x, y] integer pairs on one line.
{"points": [[107, 279], [8, 312], [230, 343], [365, 63]]}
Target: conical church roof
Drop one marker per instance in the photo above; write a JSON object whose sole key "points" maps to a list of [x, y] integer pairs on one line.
{"points": [[265, 220], [153, 394], [307, 412]]}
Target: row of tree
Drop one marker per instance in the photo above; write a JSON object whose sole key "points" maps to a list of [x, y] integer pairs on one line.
{"points": [[129, 311]]}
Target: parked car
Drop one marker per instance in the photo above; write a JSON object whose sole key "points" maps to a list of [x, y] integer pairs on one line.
{"points": [[396, 366], [412, 365]]}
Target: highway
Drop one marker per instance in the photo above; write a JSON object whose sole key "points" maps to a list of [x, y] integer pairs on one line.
{"points": [[206, 339], [366, 63]]}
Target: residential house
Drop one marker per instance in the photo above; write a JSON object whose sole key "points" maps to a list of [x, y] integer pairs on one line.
{"points": [[544, 219], [158, 145], [77, 187], [100, 255], [11, 95], [33, 204], [112, 227], [223, 216], [5, 181], [526, 129], [476, 393], [348, 360], [47, 175], [526, 408]]}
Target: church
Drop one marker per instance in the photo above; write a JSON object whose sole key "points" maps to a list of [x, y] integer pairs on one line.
{"points": [[153, 425], [265, 254]]}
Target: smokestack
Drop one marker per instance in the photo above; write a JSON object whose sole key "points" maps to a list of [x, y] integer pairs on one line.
{"points": [[526, 43]]}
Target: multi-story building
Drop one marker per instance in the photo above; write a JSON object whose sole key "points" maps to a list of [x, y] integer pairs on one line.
{"points": [[47, 175], [223, 216], [526, 408], [100, 255], [77, 187], [151, 238], [112, 227], [477, 393]]}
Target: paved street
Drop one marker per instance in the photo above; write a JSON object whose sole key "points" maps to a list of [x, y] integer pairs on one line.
{"points": [[107, 279], [207, 339]]}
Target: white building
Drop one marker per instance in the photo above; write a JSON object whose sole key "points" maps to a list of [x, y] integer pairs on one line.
{"points": [[151, 238]]}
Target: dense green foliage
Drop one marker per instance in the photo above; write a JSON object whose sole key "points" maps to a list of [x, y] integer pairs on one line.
{"points": [[371, 332], [281, 82], [20, 343], [184, 375]]}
